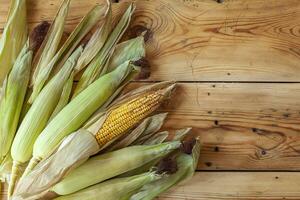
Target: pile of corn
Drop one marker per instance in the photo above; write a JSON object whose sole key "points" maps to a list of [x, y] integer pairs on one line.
{"points": [[88, 140]]}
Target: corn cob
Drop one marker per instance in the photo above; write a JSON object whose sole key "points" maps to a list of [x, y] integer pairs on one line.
{"points": [[150, 125], [186, 164], [14, 37], [123, 118], [11, 104], [77, 112], [113, 163], [114, 189], [82, 144], [38, 116]]}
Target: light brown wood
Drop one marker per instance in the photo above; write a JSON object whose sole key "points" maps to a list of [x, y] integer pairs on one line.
{"points": [[236, 185], [255, 40], [243, 126], [238, 40], [45, 10]]}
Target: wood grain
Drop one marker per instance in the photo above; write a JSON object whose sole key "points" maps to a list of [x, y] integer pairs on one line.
{"points": [[45, 10], [237, 186], [232, 185], [243, 126], [254, 40], [238, 40]]}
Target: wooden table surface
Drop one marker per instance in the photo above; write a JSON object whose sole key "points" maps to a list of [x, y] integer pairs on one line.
{"points": [[238, 67]]}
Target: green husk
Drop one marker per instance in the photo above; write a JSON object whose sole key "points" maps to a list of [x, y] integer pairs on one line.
{"points": [[96, 42], [13, 38], [98, 64], [157, 138], [65, 97], [186, 165], [51, 43], [132, 50], [79, 110], [13, 98], [74, 39], [38, 116], [113, 164], [114, 189]]}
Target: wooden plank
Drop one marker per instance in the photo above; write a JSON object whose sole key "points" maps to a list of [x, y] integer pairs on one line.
{"points": [[233, 185], [243, 126], [238, 186], [46, 10], [235, 41], [238, 40]]}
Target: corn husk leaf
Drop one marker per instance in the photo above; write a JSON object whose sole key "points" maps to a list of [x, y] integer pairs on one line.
{"points": [[65, 97], [181, 133], [165, 89], [150, 125], [97, 65], [13, 98], [186, 166], [13, 38], [157, 138], [132, 50], [46, 175], [113, 163], [74, 39], [38, 116], [52, 41], [79, 110], [114, 189], [5, 168], [96, 42]]}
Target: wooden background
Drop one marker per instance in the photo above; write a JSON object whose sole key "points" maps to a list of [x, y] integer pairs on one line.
{"points": [[238, 64]]}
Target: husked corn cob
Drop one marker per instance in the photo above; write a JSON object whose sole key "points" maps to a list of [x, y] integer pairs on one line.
{"points": [[127, 116]]}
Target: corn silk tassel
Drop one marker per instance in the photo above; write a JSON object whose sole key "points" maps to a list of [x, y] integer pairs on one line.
{"points": [[11, 104], [186, 163], [129, 110], [14, 37], [37, 118]]}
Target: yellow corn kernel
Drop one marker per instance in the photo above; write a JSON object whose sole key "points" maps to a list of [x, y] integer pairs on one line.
{"points": [[126, 116]]}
